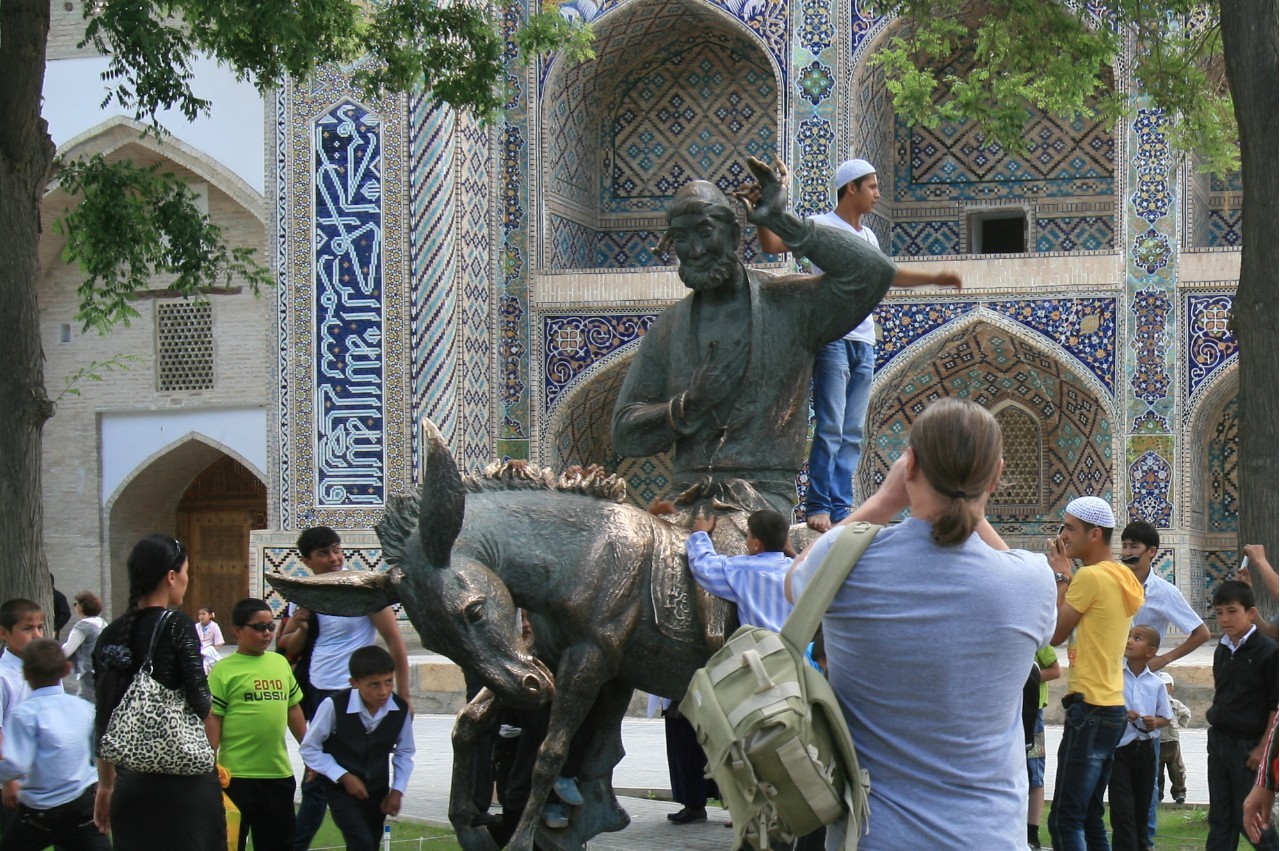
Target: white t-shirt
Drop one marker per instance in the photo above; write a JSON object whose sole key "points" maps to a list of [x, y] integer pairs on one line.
{"points": [[866, 330], [339, 638]]}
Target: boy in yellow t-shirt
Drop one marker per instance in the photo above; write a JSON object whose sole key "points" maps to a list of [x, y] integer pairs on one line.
{"points": [[1095, 607], [254, 698]]}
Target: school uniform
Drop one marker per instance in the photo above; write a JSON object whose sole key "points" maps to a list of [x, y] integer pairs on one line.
{"points": [[48, 745]]}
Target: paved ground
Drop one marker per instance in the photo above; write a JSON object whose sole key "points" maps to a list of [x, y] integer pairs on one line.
{"points": [[645, 768]]}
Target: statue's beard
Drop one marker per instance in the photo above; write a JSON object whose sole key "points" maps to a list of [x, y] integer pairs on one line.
{"points": [[711, 278]]}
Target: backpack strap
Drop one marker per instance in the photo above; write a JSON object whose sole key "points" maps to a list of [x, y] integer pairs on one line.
{"points": [[805, 618]]}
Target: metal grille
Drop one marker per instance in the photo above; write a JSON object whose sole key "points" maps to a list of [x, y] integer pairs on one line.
{"points": [[184, 346], [1020, 484]]}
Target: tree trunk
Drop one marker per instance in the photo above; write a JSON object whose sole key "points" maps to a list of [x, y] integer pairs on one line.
{"points": [[26, 153], [1249, 44]]}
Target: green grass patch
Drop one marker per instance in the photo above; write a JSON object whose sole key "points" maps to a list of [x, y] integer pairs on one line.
{"points": [[1177, 828], [406, 835]]}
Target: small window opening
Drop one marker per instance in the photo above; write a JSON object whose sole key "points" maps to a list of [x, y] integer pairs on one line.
{"points": [[998, 232]]}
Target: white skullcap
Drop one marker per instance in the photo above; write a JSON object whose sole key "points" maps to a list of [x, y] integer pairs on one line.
{"points": [[852, 170], [1092, 509], [1165, 678]]}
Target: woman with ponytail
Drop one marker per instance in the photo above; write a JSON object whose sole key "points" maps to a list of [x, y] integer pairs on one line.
{"points": [[192, 815], [930, 641]]}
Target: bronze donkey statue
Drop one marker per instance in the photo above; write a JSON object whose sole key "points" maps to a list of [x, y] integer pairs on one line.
{"points": [[609, 594]]}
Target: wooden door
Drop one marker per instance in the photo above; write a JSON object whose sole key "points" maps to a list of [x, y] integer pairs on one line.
{"points": [[218, 543]]}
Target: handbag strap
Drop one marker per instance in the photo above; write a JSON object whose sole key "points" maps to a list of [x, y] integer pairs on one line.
{"points": [[155, 634], [849, 546]]}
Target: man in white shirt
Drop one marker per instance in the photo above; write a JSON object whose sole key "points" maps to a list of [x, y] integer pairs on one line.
{"points": [[842, 371], [1164, 604]]}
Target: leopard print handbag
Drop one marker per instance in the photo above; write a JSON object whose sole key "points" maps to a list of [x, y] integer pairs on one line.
{"points": [[153, 729]]}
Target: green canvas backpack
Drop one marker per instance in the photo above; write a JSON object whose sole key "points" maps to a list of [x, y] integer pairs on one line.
{"points": [[776, 741]]}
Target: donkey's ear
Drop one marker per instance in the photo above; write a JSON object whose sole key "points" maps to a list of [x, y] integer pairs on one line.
{"points": [[443, 500], [348, 593]]}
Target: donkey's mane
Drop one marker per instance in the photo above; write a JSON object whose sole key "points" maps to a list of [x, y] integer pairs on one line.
{"points": [[521, 475]]}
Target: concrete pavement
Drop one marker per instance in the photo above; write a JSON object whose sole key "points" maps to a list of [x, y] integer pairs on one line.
{"points": [[644, 769]]}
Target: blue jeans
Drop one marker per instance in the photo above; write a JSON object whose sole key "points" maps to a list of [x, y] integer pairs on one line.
{"points": [[842, 374], [1089, 738], [312, 808]]}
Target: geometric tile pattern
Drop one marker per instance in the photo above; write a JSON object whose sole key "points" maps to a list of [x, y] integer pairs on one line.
{"points": [[1224, 228], [349, 401], [1209, 568], [475, 212], [572, 244], [1083, 233], [434, 375], [1223, 457], [992, 367], [955, 161], [1210, 344], [901, 323], [512, 303], [630, 250], [918, 239], [697, 115]]}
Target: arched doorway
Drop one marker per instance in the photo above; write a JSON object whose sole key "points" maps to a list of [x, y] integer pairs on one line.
{"points": [[215, 515]]}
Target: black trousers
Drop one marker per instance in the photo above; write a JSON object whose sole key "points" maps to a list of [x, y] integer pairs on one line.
{"points": [[1229, 782], [686, 762], [1133, 778], [69, 826], [266, 810], [360, 821]]}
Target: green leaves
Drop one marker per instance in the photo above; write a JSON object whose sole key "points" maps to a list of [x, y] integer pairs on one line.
{"points": [[454, 50], [1061, 60], [134, 227]]}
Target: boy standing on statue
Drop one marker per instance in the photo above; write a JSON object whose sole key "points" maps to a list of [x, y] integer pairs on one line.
{"points": [[843, 369]]}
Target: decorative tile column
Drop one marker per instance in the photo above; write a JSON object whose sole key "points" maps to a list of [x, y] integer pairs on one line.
{"points": [[1151, 249]]}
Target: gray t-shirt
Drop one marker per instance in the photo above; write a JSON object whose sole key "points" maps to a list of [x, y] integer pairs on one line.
{"points": [[928, 648]]}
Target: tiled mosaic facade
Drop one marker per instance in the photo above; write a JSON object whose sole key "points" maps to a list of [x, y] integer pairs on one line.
{"points": [[1116, 380]]}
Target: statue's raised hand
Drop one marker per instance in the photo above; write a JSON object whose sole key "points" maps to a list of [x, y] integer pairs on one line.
{"points": [[772, 199]]}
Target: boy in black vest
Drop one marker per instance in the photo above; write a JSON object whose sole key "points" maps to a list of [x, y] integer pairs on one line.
{"points": [[1244, 707], [348, 744]]}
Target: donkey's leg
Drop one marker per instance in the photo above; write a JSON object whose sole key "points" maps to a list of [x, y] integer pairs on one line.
{"points": [[477, 715], [583, 669]]}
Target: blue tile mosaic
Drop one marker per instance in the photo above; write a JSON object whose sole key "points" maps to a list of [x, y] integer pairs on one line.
{"points": [[1210, 344], [1150, 478], [1079, 233], [917, 239], [349, 439]]}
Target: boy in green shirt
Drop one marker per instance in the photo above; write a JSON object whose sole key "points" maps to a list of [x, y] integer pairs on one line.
{"points": [[254, 698]]}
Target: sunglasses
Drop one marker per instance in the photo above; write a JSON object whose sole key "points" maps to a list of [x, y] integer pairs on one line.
{"points": [[264, 628]]}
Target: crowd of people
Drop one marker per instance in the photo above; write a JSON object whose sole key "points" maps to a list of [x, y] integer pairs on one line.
{"points": [[355, 734], [939, 644]]}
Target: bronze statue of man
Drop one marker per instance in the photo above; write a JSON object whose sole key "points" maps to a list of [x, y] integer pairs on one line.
{"points": [[724, 373]]}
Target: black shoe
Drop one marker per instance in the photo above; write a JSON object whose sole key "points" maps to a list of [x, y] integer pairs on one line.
{"points": [[688, 815]]}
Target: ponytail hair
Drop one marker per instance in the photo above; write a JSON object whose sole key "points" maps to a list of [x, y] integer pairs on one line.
{"points": [[958, 447], [149, 563]]}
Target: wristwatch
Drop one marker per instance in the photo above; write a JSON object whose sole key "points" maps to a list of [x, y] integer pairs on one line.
{"points": [[1063, 578]]}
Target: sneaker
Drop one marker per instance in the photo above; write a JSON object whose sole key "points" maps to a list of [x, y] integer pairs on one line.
{"points": [[555, 816], [567, 789]]}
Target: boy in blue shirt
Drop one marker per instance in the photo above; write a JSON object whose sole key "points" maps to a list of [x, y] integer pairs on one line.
{"points": [[1133, 774], [48, 744], [351, 738]]}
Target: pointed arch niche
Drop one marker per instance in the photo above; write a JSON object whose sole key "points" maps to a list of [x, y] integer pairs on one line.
{"points": [[580, 432], [1058, 431], [678, 91]]}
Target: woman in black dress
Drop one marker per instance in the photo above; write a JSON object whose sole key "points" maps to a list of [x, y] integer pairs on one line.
{"points": [[128, 801]]}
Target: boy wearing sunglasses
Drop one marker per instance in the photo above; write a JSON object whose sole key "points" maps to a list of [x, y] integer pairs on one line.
{"points": [[255, 697]]}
